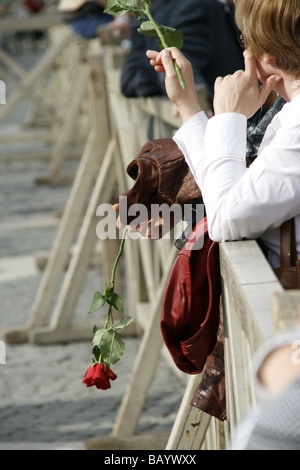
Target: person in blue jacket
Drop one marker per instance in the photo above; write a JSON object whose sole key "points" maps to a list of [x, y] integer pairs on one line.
{"points": [[85, 17], [211, 43]]}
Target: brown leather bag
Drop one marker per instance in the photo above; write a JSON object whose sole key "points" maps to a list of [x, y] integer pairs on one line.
{"points": [[289, 271], [210, 395], [161, 176]]}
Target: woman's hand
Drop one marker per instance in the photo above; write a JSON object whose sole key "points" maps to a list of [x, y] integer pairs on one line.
{"points": [[154, 228], [240, 92], [186, 101]]}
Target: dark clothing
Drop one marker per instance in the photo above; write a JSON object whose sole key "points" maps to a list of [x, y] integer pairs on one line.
{"points": [[210, 43]]}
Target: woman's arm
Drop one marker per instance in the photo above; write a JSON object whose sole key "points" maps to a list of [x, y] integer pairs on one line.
{"points": [[245, 203], [186, 100], [240, 203]]}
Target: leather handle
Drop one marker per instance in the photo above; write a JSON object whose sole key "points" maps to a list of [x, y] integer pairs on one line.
{"points": [[288, 251]]}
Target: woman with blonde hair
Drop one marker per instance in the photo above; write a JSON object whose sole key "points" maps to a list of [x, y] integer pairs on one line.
{"points": [[246, 202]]}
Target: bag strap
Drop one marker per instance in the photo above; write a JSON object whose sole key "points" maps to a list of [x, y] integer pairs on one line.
{"points": [[288, 250]]}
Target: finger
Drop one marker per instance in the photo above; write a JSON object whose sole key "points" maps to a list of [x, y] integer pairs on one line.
{"points": [[152, 54], [250, 65], [268, 86], [155, 61], [116, 207], [159, 68], [175, 54], [218, 81], [167, 62], [133, 228], [119, 225]]}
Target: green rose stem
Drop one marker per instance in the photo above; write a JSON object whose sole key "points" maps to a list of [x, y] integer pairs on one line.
{"points": [[164, 43], [113, 275]]}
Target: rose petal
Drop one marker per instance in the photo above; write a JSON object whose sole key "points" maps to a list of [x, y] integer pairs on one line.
{"points": [[88, 378]]}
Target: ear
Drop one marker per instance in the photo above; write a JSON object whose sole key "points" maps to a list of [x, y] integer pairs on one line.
{"points": [[269, 59]]}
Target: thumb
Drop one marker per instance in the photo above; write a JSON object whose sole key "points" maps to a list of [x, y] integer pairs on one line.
{"points": [[268, 86], [167, 62]]}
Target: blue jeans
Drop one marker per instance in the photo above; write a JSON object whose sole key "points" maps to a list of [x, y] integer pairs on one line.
{"points": [[88, 25]]}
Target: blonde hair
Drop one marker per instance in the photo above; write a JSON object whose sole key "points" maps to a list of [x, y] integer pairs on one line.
{"points": [[271, 27]]}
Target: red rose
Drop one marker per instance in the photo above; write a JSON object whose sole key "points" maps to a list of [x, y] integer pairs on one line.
{"points": [[100, 376]]}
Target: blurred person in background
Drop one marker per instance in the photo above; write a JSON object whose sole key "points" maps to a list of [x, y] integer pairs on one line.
{"points": [[85, 17], [274, 423], [210, 42]]}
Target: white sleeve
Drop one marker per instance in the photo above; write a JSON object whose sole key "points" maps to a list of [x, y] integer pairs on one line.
{"points": [[240, 202], [190, 140]]}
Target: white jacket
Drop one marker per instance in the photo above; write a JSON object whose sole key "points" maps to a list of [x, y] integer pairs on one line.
{"points": [[246, 202]]}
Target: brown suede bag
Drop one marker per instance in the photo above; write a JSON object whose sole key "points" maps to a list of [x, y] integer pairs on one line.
{"points": [[161, 176], [289, 271]]}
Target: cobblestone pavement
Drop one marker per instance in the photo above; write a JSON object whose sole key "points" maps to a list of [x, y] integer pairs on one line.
{"points": [[43, 404]]}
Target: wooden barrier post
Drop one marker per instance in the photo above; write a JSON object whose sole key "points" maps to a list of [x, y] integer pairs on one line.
{"points": [[30, 79], [56, 88], [98, 151], [131, 118], [39, 22]]}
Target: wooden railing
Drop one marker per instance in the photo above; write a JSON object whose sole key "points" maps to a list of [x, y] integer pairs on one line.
{"points": [[119, 127], [248, 287]]}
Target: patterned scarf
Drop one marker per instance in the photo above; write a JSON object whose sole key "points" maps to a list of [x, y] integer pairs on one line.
{"points": [[257, 126]]}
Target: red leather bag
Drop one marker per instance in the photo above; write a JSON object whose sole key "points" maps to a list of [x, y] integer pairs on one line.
{"points": [[191, 307]]}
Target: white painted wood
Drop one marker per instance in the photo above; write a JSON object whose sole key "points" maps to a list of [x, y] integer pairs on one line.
{"points": [[149, 353], [143, 442], [179, 432], [40, 21], [30, 79], [83, 184], [80, 259], [248, 283], [286, 309], [65, 135]]}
